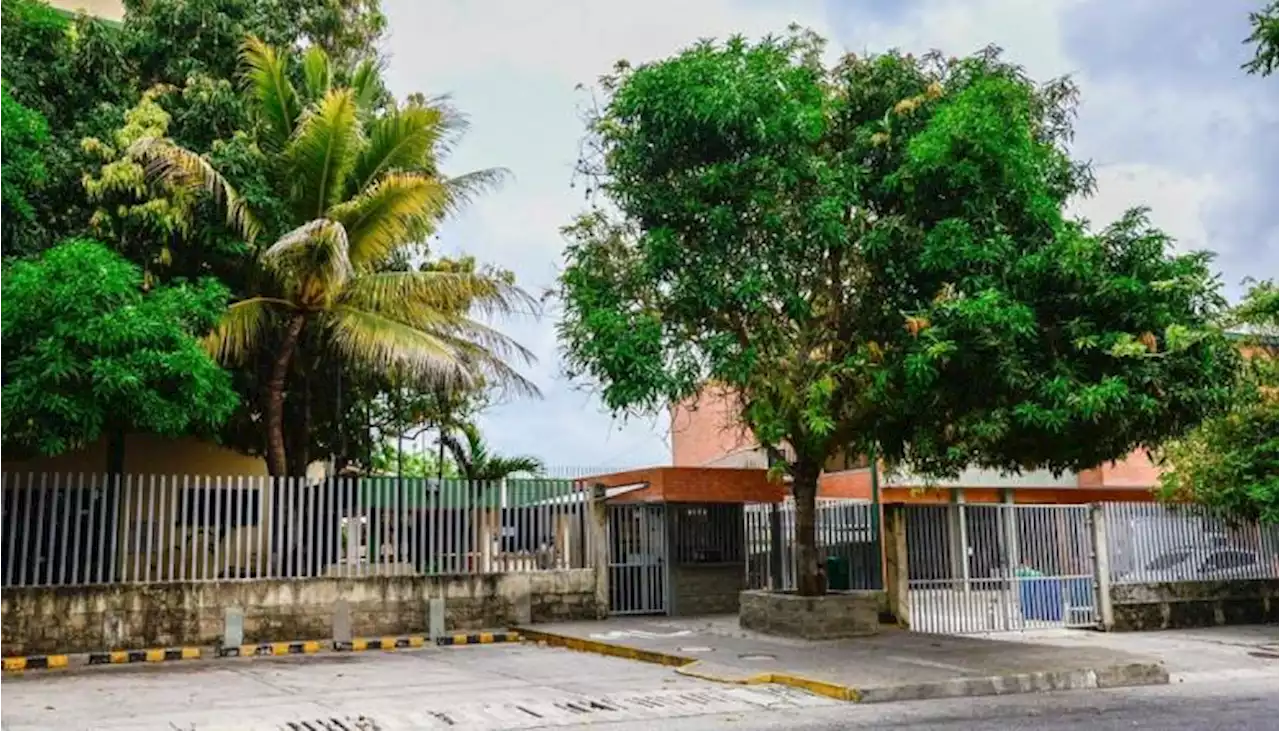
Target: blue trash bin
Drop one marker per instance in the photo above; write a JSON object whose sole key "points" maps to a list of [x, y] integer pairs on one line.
{"points": [[1041, 599]]}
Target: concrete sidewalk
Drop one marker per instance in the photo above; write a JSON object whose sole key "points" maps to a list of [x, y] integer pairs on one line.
{"points": [[893, 666]]}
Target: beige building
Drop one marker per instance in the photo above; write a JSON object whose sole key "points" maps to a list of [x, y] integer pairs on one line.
{"points": [[106, 9]]}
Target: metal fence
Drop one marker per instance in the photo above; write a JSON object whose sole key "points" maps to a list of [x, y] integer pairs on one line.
{"points": [[1148, 542], [846, 531], [62, 529], [999, 567]]}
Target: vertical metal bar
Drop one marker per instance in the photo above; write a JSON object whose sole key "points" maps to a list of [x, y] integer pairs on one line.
{"points": [[115, 541], [235, 521], [183, 519], [37, 546], [23, 555], [8, 514], [50, 549], [75, 529], [325, 497], [159, 487], [355, 526], [205, 551], [171, 487], [307, 516]]}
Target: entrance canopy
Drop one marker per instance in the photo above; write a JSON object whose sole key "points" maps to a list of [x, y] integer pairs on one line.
{"points": [[722, 485]]}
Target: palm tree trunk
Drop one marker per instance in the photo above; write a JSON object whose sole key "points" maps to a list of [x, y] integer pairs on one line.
{"points": [[277, 456]]}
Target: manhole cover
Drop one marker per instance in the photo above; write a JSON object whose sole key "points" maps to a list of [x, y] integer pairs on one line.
{"points": [[694, 649], [756, 657]]}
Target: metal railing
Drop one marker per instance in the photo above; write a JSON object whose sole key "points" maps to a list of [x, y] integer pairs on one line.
{"points": [[845, 529], [75, 529], [1149, 543]]}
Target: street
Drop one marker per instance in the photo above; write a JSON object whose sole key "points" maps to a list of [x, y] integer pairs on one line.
{"points": [[529, 687]]}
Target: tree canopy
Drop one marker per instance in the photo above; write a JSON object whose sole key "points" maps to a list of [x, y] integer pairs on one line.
{"points": [[88, 351], [1264, 37], [876, 256]]}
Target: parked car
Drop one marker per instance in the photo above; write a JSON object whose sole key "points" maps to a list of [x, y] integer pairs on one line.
{"points": [[1203, 563]]}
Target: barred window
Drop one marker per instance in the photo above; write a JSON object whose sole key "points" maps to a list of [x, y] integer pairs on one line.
{"points": [[707, 533]]}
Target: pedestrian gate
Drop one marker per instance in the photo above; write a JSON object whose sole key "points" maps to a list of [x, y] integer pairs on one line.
{"points": [[637, 536], [998, 568]]}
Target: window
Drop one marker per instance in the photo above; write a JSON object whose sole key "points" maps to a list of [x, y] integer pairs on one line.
{"points": [[708, 533]]}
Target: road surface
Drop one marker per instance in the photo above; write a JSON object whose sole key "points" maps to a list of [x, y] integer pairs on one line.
{"points": [[527, 687]]}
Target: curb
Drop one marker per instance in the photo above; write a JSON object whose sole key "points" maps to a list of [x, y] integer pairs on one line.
{"points": [[1135, 674], [263, 649]]}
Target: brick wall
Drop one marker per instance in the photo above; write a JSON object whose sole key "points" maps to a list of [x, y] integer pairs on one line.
{"points": [[95, 618]]}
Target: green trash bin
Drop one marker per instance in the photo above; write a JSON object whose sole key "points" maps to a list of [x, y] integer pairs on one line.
{"points": [[839, 575]]}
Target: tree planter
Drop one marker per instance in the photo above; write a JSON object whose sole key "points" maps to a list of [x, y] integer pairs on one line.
{"points": [[832, 616]]}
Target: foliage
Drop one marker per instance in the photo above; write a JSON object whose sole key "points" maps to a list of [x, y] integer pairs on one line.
{"points": [[88, 351], [358, 187], [23, 139], [1229, 462], [876, 256], [390, 459], [1264, 25], [477, 462]]}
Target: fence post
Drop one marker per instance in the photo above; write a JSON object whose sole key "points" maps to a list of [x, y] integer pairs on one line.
{"points": [[896, 575], [1101, 567], [600, 548]]}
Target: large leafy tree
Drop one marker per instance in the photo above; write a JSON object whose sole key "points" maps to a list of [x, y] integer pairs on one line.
{"points": [[90, 353], [359, 187], [24, 140], [1229, 463], [875, 257], [1264, 37]]}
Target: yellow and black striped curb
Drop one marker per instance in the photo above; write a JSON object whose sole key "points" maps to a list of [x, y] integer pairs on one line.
{"points": [[690, 666], [270, 648], [121, 657], [35, 662], [416, 641]]}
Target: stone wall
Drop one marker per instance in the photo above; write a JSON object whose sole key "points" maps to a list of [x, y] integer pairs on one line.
{"points": [[1182, 604], [94, 618], [831, 616], [706, 588]]}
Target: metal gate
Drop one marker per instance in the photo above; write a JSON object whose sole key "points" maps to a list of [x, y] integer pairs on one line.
{"points": [[637, 535], [1000, 568]]}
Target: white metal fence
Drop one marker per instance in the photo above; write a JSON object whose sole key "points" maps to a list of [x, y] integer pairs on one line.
{"points": [[1148, 543], [846, 530], [999, 567], [64, 529]]}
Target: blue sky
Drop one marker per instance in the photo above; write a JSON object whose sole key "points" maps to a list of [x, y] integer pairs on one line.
{"points": [[1167, 117]]}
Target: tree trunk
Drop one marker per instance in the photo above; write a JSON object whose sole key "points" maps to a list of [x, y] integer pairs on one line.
{"points": [[277, 455], [809, 579]]}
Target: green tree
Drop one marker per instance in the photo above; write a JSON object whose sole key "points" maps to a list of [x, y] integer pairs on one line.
{"points": [[875, 257], [477, 462], [89, 353], [1229, 463], [23, 145], [1264, 37], [359, 187]]}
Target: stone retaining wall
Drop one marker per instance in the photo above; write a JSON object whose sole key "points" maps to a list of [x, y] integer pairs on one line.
{"points": [[706, 588], [94, 618], [1184, 604]]}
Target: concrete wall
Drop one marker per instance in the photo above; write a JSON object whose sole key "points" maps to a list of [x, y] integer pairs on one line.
{"points": [[1193, 604], [94, 618], [711, 588]]}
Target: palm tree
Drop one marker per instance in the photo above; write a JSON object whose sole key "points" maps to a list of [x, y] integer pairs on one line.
{"points": [[477, 463], [362, 184]]}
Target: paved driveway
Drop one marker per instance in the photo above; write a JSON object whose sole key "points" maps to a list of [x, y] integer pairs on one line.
{"points": [[480, 687]]}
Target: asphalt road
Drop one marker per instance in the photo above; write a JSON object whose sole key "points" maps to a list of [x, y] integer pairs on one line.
{"points": [[528, 687], [1238, 704]]}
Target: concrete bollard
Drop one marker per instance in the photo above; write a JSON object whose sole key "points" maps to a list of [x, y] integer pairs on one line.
{"points": [[435, 618], [233, 627], [341, 622]]}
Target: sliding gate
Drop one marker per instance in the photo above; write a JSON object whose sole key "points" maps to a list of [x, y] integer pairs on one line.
{"points": [[1000, 568], [637, 536]]}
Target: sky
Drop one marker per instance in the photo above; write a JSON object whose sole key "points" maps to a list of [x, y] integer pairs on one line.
{"points": [[1167, 118]]}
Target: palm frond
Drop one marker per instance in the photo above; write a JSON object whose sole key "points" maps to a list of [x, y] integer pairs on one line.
{"points": [[451, 293], [499, 468], [178, 167], [241, 329], [311, 262], [382, 344], [466, 187], [385, 217], [366, 80], [266, 76], [322, 152], [403, 140], [491, 369], [316, 72]]}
